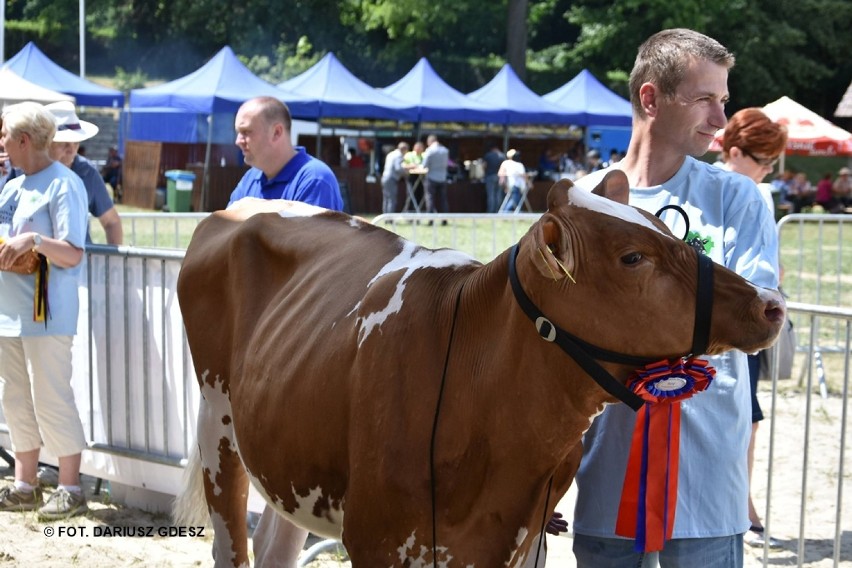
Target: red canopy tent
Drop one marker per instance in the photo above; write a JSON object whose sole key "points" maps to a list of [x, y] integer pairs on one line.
{"points": [[808, 134]]}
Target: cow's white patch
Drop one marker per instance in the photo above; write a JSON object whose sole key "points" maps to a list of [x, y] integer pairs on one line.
{"points": [[411, 258], [299, 209], [215, 425], [223, 545], [420, 556], [329, 525], [516, 559], [588, 200]]}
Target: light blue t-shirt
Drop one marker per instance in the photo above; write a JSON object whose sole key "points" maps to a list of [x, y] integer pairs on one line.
{"points": [[726, 212], [51, 202]]}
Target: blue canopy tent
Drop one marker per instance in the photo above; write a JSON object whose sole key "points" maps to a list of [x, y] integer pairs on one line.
{"points": [[201, 106], [591, 102], [340, 94], [34, 66], [518, 103], [606, 117], [436, 100]]}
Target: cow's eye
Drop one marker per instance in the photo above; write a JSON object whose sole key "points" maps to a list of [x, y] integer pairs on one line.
{"points": [[631, 258]]}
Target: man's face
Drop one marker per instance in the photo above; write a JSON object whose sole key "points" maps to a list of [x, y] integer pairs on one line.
{"points": [[690, 119], [253, 136], [64, 152]]}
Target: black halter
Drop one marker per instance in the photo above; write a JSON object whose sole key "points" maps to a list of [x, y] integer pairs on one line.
{"points": [[586, 355]]}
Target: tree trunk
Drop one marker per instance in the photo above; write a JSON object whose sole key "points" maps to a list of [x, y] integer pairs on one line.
{"points": [[516, 36]]}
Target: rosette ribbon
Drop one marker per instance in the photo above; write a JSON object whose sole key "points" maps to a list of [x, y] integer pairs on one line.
{"points": [[649, 494]]}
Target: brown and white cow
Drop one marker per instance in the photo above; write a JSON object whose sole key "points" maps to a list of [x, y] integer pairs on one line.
{"points": [[369, 387]]}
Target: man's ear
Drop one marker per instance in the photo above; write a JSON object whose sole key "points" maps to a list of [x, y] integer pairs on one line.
{"points": [[614, 186], [648, 98]]}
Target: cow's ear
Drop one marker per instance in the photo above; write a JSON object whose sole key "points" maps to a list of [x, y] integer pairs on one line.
{"points": [[614, 186], [558, 194], [553, 255]]}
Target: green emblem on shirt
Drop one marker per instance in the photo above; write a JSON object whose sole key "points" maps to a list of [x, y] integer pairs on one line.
{"points": [[704, 244]]}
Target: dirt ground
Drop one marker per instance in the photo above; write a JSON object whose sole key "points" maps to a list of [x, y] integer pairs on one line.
{"points": [[153, 542]]}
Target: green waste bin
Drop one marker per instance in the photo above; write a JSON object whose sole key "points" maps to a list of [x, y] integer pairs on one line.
{"points": [[179, 190]]}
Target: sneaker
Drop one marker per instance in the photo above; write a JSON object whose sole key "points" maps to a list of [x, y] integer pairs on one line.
{"points": [[12, 499], [755, 536], [63, 504]]}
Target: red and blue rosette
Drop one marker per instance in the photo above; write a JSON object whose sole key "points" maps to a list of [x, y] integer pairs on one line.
{"points": [[649, 495]]}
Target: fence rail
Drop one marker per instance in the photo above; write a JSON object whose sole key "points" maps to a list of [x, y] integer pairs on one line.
{"points": [[136, 390]]}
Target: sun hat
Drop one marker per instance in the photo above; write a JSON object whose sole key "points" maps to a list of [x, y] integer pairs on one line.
{"points": [[69, 128], [844, 172]]}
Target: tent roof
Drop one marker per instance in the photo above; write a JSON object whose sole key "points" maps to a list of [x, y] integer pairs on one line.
{"points": [[844, 107], [594, 104], [808, 133], [506, 92], [34, 66], [436, 100], [16, 89], [220, 85], [342, 95]]}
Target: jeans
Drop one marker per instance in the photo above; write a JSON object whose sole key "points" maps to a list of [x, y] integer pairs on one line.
{"points": [[718, 552], [514, 200], [436, 197], [493, 193], [389, 192]]}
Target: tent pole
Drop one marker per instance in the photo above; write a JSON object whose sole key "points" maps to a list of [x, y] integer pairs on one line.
{"points": [[505, 138], [205, 183], [319, 140]]}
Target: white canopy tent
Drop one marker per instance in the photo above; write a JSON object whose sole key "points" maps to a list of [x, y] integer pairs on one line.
{"points": [[16, 89]]}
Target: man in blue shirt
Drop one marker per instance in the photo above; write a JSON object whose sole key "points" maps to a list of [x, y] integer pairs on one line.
{"points": [[279, 170]]}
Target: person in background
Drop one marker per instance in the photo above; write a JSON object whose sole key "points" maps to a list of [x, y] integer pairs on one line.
{"points": [[355, 160], [111, 171], [436, 160], [513, 179], [751, 146], [279, 171], [841, 191], [678, 91], [41, 210], [823, 192], [800, 192], [70, 131], [413, 160], [593, 161], [493, 158], [391, 175], [548, 164]]}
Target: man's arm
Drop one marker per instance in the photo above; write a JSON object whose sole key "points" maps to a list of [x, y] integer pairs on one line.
{"points": [[111, 223]]}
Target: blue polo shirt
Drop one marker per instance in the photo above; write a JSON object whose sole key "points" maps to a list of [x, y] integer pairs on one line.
{"points": [[303, 178]]}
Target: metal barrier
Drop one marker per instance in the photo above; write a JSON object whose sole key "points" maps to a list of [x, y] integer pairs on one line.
{"points": [[825, 420], [136, 391], [812, 259]]}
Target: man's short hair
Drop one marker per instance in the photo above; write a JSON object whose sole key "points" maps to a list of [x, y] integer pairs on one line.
{"points": [[664, 59], [272, 110]]}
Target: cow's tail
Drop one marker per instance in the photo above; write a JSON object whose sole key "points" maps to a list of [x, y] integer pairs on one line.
{"points": [[190, 506]]}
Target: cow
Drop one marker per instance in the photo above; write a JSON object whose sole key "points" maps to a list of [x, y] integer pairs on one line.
{"points": [[398, 398]]}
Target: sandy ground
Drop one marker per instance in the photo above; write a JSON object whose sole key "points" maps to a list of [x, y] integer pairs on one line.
{"points": [[83, 541]]}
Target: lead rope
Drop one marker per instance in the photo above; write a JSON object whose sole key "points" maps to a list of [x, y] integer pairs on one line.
{"points": [[435, 429], [542, 535]]}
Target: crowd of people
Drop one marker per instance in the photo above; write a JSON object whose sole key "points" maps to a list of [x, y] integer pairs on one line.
{"points": [[831, 194]]}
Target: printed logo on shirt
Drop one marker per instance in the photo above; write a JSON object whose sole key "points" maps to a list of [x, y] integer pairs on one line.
{"points": [[702, 244]]}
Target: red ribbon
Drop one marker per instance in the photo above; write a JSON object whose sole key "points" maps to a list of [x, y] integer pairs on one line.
{"points": [[649, 493]]}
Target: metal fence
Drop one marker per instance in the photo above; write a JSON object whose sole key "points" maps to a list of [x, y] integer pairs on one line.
{"points": [[135, 385]]}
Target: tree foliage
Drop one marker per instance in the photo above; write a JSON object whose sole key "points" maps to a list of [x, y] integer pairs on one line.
{"points": [[797, 48]]}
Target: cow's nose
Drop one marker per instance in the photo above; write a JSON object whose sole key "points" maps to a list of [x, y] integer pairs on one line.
{"points": [[775, 308]]}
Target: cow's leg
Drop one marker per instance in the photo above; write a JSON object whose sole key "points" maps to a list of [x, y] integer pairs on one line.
{"points": [[277, 542], [225, 479]]}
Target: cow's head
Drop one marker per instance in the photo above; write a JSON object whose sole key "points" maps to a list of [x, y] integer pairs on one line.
{"points": [[604, 265]]}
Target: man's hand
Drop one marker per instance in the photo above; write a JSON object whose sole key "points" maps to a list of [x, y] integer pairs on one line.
{"points": [[556, 525]]}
